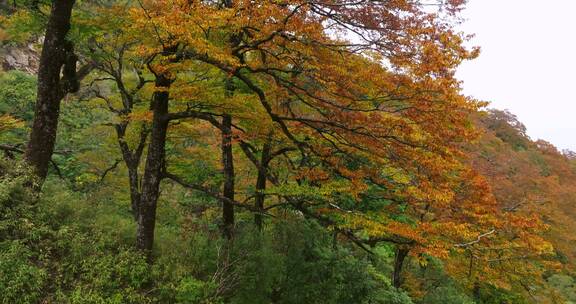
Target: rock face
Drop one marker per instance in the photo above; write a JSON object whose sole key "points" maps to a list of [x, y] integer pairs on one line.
{"points": [[22, 58]]}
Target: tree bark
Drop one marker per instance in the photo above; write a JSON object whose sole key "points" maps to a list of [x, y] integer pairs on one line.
{"points": [[227, 156], [153, 171], [132, 161], [57, 56], [261, 184], [134, 190], [401, 253], [228, 169]]}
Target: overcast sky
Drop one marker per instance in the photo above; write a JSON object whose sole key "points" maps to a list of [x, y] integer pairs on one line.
{"points": [[527, 64]]}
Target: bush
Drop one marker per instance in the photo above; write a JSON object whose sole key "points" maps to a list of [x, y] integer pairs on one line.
{"points": [[447, 295], [21, 281], [391, 296], [193, 291]]}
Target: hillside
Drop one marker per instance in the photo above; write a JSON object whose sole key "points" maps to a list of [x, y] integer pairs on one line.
{"points": [[246, 152], [529, 176]]}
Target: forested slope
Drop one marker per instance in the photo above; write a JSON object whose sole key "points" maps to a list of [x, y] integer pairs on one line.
{"points": [[529, 176], [244, 152]]}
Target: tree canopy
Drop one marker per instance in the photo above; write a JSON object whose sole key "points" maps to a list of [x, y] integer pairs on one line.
{"points": [[175, 151]]}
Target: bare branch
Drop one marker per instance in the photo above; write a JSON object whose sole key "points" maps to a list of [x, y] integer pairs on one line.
{"points": [[480, 237], [109, 169]]}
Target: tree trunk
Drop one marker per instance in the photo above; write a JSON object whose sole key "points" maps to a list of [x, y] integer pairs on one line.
{"points": [[132, 161], [401, 253], [228, 166], [227, 156], [57, 56], [153, 171], [261, 184], [134, 191]]}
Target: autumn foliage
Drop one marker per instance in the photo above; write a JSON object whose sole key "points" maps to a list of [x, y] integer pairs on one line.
{"points": [[342, 113]]}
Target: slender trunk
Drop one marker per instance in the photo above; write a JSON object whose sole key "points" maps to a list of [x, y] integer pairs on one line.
{"points": [[227, 156], [401, 253], [134, 191], [154, 167], [132, 162], [57, 56], [228, 166], [261, 184]]}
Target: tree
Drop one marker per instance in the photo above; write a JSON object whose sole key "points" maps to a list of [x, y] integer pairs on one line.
{"points": [[110, 60], [310, 93], [337, 126], [57, 76], [155, 160]]}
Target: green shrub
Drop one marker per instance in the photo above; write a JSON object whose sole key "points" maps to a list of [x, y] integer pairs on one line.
{"points": [[21, 281], [193, 291], [391, 296], [447, 295]]}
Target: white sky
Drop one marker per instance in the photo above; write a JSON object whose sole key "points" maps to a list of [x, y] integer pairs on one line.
{"points": [[527, 63]]}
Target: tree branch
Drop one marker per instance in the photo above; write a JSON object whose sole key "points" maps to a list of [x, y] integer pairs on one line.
{"points": [[211, 193], [109, 169], [480, 237]]}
